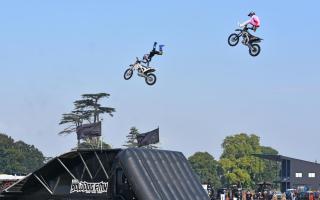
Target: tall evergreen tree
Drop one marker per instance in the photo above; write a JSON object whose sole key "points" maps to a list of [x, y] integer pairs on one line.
{"points": [[132, 138], [86, 110]]}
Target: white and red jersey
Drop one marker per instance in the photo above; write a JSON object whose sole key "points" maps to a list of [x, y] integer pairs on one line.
{"points": [[254, 21]]}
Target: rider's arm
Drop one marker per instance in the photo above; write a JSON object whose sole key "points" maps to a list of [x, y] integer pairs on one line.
{"points": [[245, 23]]}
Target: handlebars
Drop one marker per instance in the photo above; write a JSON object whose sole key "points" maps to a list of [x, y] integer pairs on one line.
{"points": [[244, 28], [140, 61]]}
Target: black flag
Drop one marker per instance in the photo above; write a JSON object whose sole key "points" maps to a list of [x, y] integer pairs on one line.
{"points": [[89, 130], [151, 137]]}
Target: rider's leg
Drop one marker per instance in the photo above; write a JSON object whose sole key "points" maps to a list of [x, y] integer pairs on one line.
{"points": [[247, 39], [154, 46], [150, 56]]}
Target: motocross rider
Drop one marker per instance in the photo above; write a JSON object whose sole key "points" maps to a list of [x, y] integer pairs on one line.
{"points": [[254, 21], [148, 57]]}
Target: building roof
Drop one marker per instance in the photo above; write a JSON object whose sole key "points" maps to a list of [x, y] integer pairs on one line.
{"points": [[279, 158]]}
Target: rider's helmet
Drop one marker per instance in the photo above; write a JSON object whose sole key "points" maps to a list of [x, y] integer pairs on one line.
{"points": [[146, 57], [251, 14]]}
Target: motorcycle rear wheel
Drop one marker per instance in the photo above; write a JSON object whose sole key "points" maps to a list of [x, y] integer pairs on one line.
{"points": [[128, 74], [255, 50], [151, 79], [233, 39]]}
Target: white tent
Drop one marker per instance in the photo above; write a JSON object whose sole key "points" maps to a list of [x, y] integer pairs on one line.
{"points": [[6, 177]]}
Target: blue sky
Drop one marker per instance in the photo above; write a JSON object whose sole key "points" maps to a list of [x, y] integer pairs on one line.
{"points": [[51, 52]]}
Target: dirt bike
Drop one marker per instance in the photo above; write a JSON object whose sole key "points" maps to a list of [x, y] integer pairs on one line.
{"points": [[143, 71], [254, 48]]}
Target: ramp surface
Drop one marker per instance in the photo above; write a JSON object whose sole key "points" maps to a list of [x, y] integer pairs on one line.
{"points": [[160, 175]]}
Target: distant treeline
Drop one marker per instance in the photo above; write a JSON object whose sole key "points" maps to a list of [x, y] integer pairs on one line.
{"points": [[18, 157], [236, 166]]}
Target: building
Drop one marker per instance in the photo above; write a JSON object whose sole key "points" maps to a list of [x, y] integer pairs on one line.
{"points": [[295, 172]]}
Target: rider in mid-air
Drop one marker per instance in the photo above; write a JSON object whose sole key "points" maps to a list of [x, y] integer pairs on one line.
{"points": [[148, 57], [254, 21]]}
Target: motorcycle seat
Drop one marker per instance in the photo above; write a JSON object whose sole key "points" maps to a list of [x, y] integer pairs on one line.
{"points": [[252, 37]]}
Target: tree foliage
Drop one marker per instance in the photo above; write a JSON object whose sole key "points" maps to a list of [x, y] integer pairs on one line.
{"points": [[239, 166], [132, 138], [272, 168], [86, 110], [206, 167], [90, 145], [18, 157], [133, 142]]}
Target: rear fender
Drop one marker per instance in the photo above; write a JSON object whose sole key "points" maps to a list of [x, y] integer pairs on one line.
{"points": [[149, 70], [256, 40]]}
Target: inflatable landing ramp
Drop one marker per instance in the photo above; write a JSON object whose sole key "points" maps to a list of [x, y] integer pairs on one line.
{"points": [[115, 174]]}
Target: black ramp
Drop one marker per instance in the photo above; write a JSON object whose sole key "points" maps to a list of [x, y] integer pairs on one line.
{"points": [[160, 175]]}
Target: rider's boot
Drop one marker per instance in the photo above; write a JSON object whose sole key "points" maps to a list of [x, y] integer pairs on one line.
{"points": [[161, 49]]}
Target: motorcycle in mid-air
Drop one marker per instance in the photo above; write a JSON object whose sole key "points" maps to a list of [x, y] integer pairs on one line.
{"points": [[254, 48], [143, 71]]}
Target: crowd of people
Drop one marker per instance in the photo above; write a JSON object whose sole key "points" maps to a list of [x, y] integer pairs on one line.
{"points": [[240, 194]]}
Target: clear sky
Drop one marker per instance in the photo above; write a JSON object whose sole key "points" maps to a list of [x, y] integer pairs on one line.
{"points": [[51, 52]]}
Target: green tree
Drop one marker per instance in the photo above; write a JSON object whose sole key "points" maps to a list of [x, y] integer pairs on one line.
{"points": [[206, 167], [86, 110], [132, 138], [89, 106], [238, 164], [272, 168], [88, 145], [18, 157]]}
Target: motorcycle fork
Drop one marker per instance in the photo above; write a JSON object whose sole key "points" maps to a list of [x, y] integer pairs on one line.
{"points": [[250, 45]]}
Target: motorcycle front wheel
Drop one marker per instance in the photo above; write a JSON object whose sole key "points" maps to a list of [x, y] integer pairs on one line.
{"points": [[128, 74], [151, 79], [233, 39], [254, 50]]}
